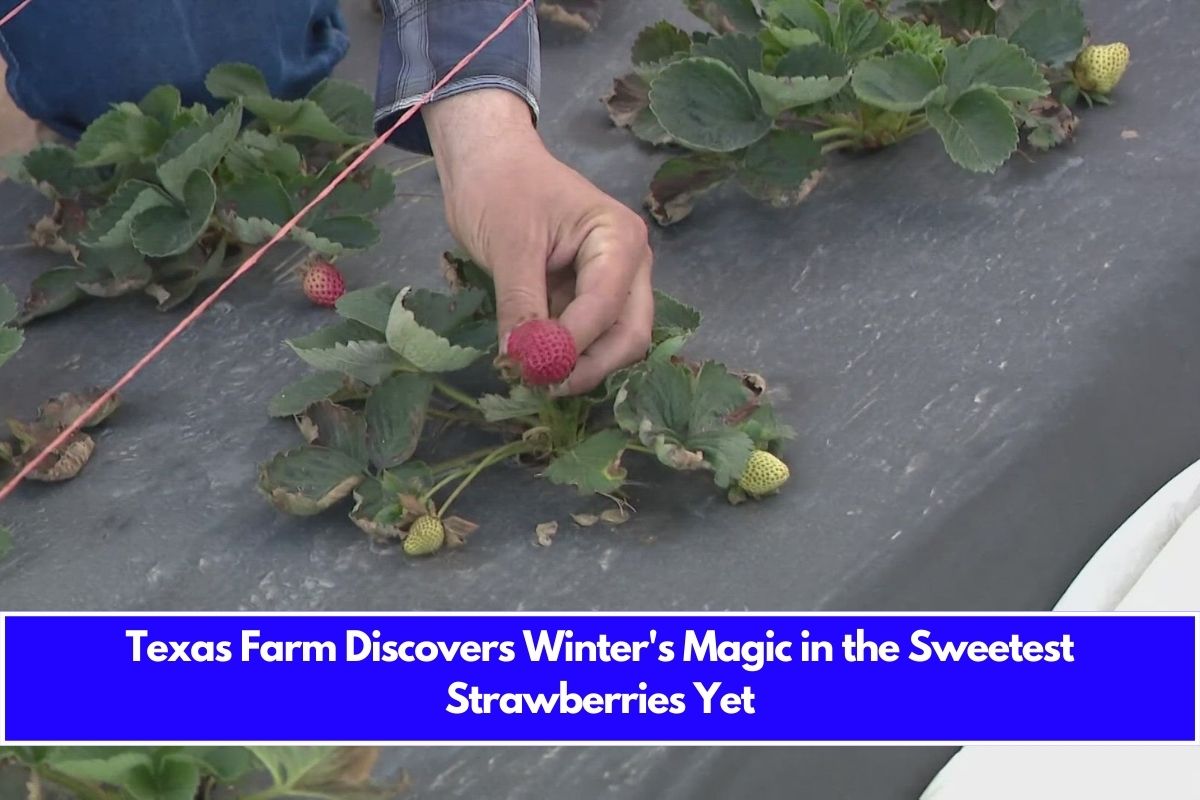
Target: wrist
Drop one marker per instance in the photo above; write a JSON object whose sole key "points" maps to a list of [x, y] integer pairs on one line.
{"points": [[477, 126]]}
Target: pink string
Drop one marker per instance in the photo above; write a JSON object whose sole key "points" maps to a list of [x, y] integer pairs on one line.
{"points": [[21, 5], [207, 303]]}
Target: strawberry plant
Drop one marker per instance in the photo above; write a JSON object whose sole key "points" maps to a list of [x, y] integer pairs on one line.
{"points": [[199, 773], [779, 85], [383, 376], [30, 438], [160, 198]]}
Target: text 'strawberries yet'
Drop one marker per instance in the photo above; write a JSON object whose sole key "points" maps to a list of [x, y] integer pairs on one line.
{"points": [[323, 284], [544, 349], [765, 473], [1100, 68], [425, 537]]}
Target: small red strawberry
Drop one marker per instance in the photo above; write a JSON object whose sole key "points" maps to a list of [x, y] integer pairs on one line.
{"points": [[544, 349], [323, 283]]}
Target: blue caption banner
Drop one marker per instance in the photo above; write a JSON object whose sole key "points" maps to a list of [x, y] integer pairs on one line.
{"points": [[599, 678]]}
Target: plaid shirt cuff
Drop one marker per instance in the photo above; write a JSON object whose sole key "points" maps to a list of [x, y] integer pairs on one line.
{"points": [[424, 39]]}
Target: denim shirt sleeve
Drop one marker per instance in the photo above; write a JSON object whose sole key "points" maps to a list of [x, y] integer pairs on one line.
{"points": [[424, 39]]}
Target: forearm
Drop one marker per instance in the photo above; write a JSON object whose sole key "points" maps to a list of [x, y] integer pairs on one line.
{"points": [[422, 42], [462, 145]]}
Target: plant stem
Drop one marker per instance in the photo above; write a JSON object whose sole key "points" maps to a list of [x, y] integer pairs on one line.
{"points": [[81, 789], [841, 144], [458, 461], [833, 133], [498, 455], [352, 152], [462, 398], [410, 167], [637, 448], [444, 482]]}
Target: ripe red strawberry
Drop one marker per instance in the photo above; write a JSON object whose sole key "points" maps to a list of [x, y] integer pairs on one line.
{"points": [[323, 284], [545, 351]]}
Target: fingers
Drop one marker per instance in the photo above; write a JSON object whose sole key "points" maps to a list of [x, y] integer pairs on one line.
{"points": [[520, 291], [624, 343], [609, 260]]}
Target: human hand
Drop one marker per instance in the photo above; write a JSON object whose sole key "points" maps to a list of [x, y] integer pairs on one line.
{"points": [[554, 243]]}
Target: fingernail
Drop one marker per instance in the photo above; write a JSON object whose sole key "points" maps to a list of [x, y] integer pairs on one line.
{"points": [[504, 343], [560, 389]]}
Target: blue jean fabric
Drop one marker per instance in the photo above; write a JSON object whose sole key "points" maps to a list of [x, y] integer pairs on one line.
{"points": [[70, 60]]}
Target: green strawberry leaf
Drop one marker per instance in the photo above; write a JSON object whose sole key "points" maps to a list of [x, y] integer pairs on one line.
{"points": [[764, 429], [411, 477], [368, 361], [1051, 31], [8, 305], [327, 424], [11, 340], [59, 168], [993, 63], [370, 306], [257, 195], [121, 135], [365, 192], [779, 39], [681, 414], [593, 465], [170, 230], [978, 130], [703, 104], [323, 773], [726, 16], [807, 15], [673, 318], [740, 51], [307, 391], [781, 169], [170, 778], [378, 512], [342, 332], [227, 764], [660, 44], [446, 314], [347, 106], [198, 148], [329, 237], [860, 31], [108, 226], [395, 416], [804, 76], [299, 118], [178, 278], [421, 347], [521, 401], [162, 103], [101, 765], [680, 181], [900, 82], [309, 479], [253, 152], [233, 80]]}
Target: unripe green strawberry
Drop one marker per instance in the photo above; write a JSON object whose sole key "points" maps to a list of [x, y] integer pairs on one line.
{"points": [[764, 474], [425, 537], [1099, 67]]}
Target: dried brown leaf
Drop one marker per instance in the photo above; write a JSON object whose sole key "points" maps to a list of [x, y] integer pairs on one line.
{"points": [[544, 533], [585, 520], [457, 530]]}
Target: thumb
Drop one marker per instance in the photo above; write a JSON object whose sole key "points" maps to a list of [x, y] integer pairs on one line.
{"points": [[520, 292]]}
